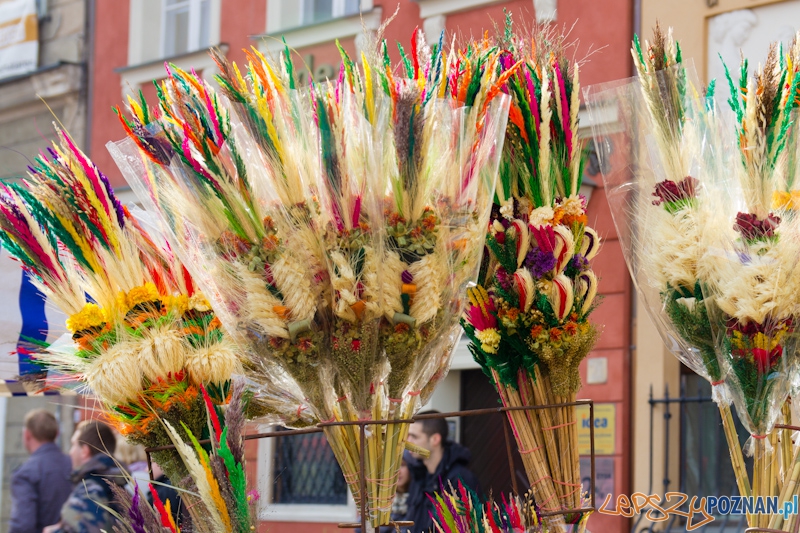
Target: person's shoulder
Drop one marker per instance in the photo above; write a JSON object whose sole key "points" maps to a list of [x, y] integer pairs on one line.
{"points": [[90, 489], [83, 510], [457, 454], [50, 455], [25, 470]]}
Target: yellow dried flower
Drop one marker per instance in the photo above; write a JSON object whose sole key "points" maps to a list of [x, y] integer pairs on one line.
{"points": [[178, 303], [786, 200], [761, 341], [490, 340], [89, 317], [199, 302], [139, 295]]}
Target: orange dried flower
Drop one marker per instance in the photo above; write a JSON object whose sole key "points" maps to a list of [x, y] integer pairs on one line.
{"points": [[558, 215], [536, 331], [569, 220], [555, 334], [395, 219]]}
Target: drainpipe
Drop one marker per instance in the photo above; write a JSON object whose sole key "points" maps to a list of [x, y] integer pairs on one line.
{"points": [[88, 76], [636, 29]]}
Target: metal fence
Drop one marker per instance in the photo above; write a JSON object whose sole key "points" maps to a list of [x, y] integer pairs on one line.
{"points": [[704, 461]]}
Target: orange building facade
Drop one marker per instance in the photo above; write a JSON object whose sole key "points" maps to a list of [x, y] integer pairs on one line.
{"points": [[130, 41]]}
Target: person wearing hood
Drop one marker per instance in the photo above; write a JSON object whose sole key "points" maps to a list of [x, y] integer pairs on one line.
{"points": [[94, 471], [447, 464]]}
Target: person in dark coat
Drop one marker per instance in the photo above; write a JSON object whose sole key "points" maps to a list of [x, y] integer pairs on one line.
{"points": [[448, 464], [167, 492], [41, 485], [89, 507]]}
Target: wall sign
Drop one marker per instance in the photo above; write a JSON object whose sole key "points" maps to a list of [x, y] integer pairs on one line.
{"points": [[19, 37], [605, 424]]}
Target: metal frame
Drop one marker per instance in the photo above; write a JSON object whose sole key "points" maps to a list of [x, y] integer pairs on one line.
{"points": [[362, 424]]}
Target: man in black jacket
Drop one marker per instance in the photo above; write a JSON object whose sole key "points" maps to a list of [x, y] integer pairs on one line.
{"points": [[447, 464]]}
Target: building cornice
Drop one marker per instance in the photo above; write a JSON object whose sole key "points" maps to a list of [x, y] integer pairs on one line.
{"points": [[47, 82], [433, 8]]}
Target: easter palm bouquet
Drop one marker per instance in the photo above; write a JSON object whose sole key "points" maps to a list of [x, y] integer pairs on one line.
{"points": [[142, 337], [751, 265], [333, 227], [214, 495], [460, 510], [662, 198], [528, 318]]}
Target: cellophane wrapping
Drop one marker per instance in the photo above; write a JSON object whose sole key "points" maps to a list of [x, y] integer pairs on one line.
{"points": [[659, 168], [333, 229]]}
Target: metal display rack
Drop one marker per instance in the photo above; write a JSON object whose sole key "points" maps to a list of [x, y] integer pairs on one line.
{"points": [[362, 424]]}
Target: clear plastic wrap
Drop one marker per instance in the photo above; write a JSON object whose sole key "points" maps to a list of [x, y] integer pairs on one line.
{"points": [[147, 343], [332, 228], [753, 247], [656, 178], [528, 320]]}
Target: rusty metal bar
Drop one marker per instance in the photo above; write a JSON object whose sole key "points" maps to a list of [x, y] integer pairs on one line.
{"points": [[362, 477], [510, 456], [591, 453]]}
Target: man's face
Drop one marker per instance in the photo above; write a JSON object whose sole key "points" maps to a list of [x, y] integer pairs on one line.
{"points": [[417, 436], [78, 452]]}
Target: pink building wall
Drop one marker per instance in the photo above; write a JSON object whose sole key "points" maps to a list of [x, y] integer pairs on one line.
{"points": [[602, 26]]}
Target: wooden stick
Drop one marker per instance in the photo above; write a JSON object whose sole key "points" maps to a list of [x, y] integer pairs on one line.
{"points": [[528, 434], [737, 459], [788, 490]]}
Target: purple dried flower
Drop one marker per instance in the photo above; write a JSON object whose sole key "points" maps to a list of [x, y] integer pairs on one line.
{"points": [[135, 513], [406, 277], [578, 263], [117, 206], [503, 279], [540, 262]]}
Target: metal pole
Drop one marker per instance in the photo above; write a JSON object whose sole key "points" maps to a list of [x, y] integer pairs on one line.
{"points": [[667, 416], [362, 479], [510, 456]]}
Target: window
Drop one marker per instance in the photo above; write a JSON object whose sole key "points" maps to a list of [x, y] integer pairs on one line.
{"points": [[283, 15], [314, 11], [306, 472], [185, 26]]}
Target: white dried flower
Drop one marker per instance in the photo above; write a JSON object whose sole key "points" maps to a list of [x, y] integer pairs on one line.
{"points": [[507, 209], [541, 216]]}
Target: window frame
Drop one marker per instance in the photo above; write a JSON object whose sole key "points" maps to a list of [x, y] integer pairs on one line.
{"points": [[145, 42], [195, 14], [328, 31], [338, 10], [293, 512], [275, 11]]}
